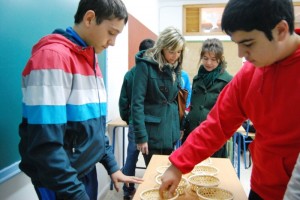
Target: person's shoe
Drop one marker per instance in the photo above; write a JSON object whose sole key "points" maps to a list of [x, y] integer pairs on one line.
{"points": [[129, 196]]}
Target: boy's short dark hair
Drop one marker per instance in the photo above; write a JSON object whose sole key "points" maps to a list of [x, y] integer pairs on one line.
{"points": [[104, 10], [262, 15], [146, 44]]}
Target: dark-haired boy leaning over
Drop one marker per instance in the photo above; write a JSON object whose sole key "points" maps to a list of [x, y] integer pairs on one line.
{"points": [[266, 90]]}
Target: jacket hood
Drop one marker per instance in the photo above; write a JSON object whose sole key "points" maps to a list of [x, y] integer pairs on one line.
{"points": [[139, 57], [60, 37]]}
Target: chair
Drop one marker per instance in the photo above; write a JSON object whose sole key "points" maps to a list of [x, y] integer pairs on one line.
{"points": [[245, 134], [177, 145], [236, 149]]}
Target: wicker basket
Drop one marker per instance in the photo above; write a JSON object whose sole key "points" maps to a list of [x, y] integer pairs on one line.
{"points": [[198, 181], [161, 169], [205, 170], [153, 194], [214, 193], [181, 186]]}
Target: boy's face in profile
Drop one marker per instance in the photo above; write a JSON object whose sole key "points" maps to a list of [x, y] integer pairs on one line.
{"points": [[255, 47], [103, 35]]}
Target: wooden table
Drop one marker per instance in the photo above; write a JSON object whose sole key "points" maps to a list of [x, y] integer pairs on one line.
{"points": [[226, 174]]}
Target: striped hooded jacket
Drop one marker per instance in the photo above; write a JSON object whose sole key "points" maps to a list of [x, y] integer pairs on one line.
{"points": [[64, 114]]}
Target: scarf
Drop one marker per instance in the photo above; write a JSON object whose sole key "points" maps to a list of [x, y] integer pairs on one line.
{"points": [[207, 77], [173, 67]]}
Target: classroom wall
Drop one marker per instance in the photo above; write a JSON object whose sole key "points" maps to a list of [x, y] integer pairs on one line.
{"points": [[170, 11], [137, 33], [17, 37], [118, 56], [23, 23]]}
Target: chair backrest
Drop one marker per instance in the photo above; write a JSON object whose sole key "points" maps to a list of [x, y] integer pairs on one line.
{"points": [[250, 133]]}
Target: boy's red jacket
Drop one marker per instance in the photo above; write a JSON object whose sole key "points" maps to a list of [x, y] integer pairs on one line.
{"points": [[270, 97]]}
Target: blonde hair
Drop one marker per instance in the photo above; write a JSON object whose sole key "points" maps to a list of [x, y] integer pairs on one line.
{"points": [[170, 38]]}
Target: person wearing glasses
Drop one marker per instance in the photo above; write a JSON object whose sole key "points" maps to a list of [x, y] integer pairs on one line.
{"points": [[212, 77]]}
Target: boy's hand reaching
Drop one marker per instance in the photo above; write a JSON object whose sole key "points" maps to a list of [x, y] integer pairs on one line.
{"points": [[169, 181], [118, 176]]}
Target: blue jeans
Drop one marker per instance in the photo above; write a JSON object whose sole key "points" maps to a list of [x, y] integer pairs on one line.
{"points": [[90, 183], [131, 160]]}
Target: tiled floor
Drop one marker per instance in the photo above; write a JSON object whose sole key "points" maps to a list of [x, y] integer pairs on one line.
{"points": [[244, 178]]}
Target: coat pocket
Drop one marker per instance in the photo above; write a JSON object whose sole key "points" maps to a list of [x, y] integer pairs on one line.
{"points": [[152, 119]]}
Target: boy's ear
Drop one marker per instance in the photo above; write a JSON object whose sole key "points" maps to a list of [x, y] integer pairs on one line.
{"points": [[282, 29], [89, 17]]}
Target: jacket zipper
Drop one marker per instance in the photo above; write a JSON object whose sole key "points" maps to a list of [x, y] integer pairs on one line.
{"points": [[74, 144]]}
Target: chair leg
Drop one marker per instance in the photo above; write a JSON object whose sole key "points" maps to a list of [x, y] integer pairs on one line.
{"points": [[245, 151], [249, 164], [236, 140], [233, 148], [239, 155]]}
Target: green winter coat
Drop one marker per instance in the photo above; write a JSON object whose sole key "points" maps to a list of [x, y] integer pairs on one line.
{"points": [[154, 105], [203, 99], [125, 96]]}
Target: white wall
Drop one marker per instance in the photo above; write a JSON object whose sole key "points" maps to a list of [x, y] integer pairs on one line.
{"points": [[117, 61], [117, 56], [145, 11], [170, 14], [170, 11]]}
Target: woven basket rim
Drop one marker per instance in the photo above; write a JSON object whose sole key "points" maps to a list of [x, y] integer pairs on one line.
{"points": [[213, 170], [156, 191], [216, 182], [218, 197]]}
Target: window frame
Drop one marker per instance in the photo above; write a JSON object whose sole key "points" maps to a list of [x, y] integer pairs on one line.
{"points": [[201, 7], [201, 22]]}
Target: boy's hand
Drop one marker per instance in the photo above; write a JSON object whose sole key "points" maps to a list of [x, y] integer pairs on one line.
{"points": [[169, 181], [118, 176]]}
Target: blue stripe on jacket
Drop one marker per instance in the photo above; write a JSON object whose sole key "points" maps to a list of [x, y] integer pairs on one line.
{"points": [[45, 114]]}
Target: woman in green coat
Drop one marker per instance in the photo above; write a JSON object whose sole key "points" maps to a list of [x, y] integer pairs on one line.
{"points": [[154, 95], [207, 85]]}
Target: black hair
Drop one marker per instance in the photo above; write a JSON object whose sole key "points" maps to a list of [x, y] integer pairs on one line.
{"points": [[104, 10], [146, 44], [262, 15]]}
